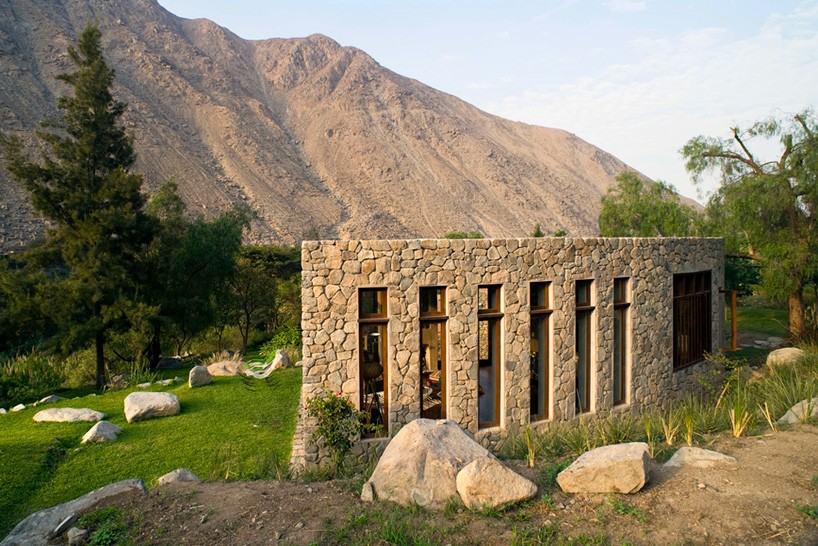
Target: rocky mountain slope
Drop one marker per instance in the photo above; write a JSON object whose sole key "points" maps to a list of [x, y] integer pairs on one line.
{"points": [[319, 139]]}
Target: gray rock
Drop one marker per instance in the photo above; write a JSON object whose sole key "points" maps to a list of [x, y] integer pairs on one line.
{"points": [[618, 468], [697, 457], [146, 405], [170, 363], [119, 381], [281, 360], [178, 475], [144, 385], [367, 494], [36, 528], [787, 355], [51, 399], [166, 382], [486, 482], [421, 463], [63, 525], [103, 431], [68, 415], [3, 411], [199, 376], [803, 410], [18, 407], [77, 536], [775, 341]]}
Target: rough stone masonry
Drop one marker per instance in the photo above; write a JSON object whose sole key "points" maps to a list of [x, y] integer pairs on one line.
{"points": [[333, 272]]}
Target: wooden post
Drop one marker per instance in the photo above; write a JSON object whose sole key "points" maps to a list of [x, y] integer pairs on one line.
{"points": [[733, 319]]}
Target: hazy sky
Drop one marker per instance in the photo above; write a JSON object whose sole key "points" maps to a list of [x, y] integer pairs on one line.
{"points": [[637, 78]]}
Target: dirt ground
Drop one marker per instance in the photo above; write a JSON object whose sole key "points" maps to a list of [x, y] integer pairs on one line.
{"points": [[754, 503]]}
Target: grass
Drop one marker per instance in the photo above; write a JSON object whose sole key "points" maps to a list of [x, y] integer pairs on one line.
{"points": [[224, 431], [763, 320], [811, 511]]}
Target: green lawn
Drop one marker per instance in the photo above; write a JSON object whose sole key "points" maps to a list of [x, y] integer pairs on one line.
{"points": [[763, 320], [224, 431]]}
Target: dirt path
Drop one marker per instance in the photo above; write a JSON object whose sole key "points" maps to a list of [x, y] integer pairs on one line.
{"points": [[754, 503]]}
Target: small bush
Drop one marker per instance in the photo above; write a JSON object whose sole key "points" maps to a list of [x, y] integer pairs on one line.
{"points": [[28, 377], [339, 424]]}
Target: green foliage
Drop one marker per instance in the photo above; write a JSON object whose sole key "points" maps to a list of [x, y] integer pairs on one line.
{"points": [[464, 235], [99, 231], [811, 511], [223, 431], [624, 509], [639, 208], [26, 378], [339, 424], [767, 209], [287, 338], [741, 274], [107, 526], [561, 233], [538, 232], [191, 260]]}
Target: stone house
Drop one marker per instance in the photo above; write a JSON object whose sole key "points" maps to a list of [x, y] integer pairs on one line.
{"points": [[495, 334]]}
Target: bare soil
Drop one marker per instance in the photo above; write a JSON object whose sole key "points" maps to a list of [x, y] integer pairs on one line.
{"points": [[754, 503]]}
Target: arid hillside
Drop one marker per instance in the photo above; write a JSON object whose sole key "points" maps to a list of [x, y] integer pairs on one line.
{"points": [[319, 139]]}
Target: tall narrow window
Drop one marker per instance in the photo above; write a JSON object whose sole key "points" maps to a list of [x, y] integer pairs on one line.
{"points": [[620, 348], [433, 353], [538, 379], [489, 320], [692, 318], [372, 331], [585, 312]]}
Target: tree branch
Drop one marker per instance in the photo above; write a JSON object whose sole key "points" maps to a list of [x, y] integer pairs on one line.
{"points": [[749, 160]]}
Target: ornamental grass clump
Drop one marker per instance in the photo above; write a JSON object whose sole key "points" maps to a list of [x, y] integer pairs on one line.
{"points": [[339, 424]]}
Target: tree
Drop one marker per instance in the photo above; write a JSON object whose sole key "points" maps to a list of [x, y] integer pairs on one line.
{"points": [[537, 231], [768, 207], [253, 294], [190, 260], [83, 186], [640, 208]]}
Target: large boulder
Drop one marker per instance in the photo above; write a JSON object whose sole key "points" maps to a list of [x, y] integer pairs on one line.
{"points": [[421, 463], [618, 468], [787, 355], [226, 368], [68, 415], [697, 457], [199, 376], [104, 431], [487, 483], [36, 529], [803, 410], [146, 405]]}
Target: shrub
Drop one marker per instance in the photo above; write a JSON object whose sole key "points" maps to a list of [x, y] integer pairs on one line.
{"points": [[28, 377], [339, 424]]}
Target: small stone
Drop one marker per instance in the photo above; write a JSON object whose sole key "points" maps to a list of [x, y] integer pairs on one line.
{"points": [[77, 536], [299, 525], [278, 535], [51, 399], [144, 385], [203, 519], [3, 411], [367, 493], [701, 486], [178, 475], [103, 431], [18, 407]]}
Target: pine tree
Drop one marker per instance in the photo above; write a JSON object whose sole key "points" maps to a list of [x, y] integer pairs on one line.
{"points": [[83, 186]]}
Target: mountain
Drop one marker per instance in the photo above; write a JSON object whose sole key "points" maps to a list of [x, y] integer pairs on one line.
{"points": [[318, 138]]}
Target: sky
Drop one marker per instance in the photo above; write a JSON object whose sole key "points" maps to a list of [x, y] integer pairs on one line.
{"points": [[637, 78]]}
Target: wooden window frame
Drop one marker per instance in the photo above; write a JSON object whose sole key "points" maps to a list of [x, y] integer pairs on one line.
{"points": [[584, 311], [381, 320], [622, 310], [541, 312], [435, 317], [492, 314], [692, 318]]}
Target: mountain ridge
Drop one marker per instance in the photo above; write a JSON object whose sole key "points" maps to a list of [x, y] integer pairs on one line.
{"points": [[318, 138]]}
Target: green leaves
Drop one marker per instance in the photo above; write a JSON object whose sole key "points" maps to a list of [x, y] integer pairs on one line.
{"points": [[639, 208]]}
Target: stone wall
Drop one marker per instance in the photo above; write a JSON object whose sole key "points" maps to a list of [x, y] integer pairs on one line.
{"points": [[333, 271]]}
